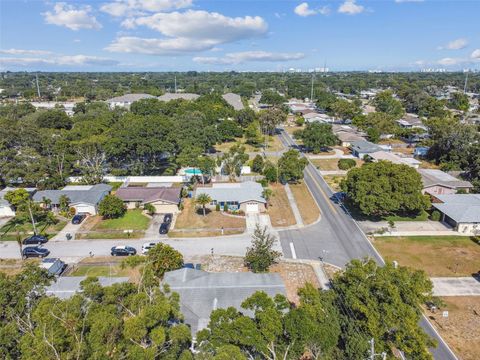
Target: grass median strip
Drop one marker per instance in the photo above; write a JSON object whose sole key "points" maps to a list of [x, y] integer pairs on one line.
{"points": [[306, 204]]}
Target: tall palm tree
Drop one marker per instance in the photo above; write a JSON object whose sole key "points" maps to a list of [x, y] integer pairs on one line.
{"points": [[203, 199]]}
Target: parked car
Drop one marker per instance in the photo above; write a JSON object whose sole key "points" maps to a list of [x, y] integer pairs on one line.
{"points": [[35, 239], [35, 251], [77, 219], [147, 246], [189, 266], [54, 266], [198, 266], [123, 251], [164, 228], [168, 218]]}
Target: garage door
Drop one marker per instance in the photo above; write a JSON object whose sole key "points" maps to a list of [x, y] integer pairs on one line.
{"points": [[252, 207], [86, 209]]}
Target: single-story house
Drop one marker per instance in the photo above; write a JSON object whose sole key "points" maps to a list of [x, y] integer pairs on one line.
{"points": [[384, 155], [461, 211], [202, 292], [234, 100], [347, 134], [164, 199], [126, 100], [83, 198], [65, 287], [437, 182], [176, 96], [6, 209], [246, 196], [411, 121], [317, 117], [361, 148]]}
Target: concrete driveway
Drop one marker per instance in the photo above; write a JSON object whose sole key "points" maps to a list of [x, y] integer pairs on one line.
{"points": [[408, 228], [461, 286]]}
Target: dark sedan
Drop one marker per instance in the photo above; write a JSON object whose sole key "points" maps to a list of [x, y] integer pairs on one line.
{"points": [[168, 218], [123, 251], [35, 251], [164, 228], [35, 239], [77, 219]]}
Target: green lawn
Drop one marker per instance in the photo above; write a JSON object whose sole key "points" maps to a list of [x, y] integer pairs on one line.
{"points": [[9, 233], [423, 216], [100, 270], [132, 220], [359, 216], [437, 255]]}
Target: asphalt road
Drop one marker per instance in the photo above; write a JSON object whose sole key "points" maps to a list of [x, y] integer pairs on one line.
{"points": [[337, 239]]}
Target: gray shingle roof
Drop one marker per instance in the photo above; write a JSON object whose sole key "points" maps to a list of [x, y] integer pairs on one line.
{"points": [[130, 98], [175, 96], [66, 286], [149, 194], [463, 208], [240, 192], [365, 147], [431, 177], [77, 194], [234, 100], [202, 292]]}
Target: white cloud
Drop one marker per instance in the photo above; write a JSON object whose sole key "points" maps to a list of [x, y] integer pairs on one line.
{"points": [[456, 44], [475, 54], [450, 61], [187, 32], [304, 10], [137, 7], [350, 7], [249, 56], [24, 52], [65, 60], [71, 17]]}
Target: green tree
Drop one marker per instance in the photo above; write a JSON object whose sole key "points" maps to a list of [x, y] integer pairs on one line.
{"points": [[252, 134], [245, 117], [291, 166], [386, 103], [111, 207], [163, 258], [267, 194], [272, 98], [346, 164], [270, 171], [260, 256], [202, 200], [373, 134], [54, 119], [318, 136], [459, 101], [270, 119], [383, 188], [149, 208], [258, 163], [345, 110], [228, 130], [233, 160], [17, 198]]}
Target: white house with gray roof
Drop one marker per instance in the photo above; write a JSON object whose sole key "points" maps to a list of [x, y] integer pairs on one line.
{"points": [[437, 182], [360, 148], [202, 292], [83, 198], [461, 211], [125, 101], [246, 196]]}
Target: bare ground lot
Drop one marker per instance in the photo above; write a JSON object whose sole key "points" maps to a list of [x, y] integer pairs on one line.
{"points": [[334, 181], [191, 218], [279, 209], [436, 255], [14, 266], [307, 206], [461, 330], [295, 275], [331, 164]]}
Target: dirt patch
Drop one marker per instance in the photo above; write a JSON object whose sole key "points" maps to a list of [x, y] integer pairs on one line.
{"points": [[461, 330], [437, 255], [190, 218], [14, 266], [334, 181], [279, 209], [294, 275], [306, 205]]}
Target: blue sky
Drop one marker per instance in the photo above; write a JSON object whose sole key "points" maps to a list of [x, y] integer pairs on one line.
{"points": [[260, 35]]}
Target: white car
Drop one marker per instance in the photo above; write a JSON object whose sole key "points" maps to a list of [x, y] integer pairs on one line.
{"points": [[147, 246]]}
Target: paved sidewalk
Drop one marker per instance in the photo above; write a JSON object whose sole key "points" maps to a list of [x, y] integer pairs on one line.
{"points": [[333, 172], [458, 286], [338, 155], [408, 228], [293, 205]]}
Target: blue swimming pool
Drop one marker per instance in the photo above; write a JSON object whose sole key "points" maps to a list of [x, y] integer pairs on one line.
{"points": [[193, 171]]}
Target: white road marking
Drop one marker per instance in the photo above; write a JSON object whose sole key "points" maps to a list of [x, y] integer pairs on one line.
{"points": [[292, 249]]}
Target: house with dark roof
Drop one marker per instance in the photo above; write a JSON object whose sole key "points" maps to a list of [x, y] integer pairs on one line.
{"points": [[461, 211], [437, 182], [164, 199], [202, 292], [83, 198], [126, 100], [246, 196], [360, 148]]}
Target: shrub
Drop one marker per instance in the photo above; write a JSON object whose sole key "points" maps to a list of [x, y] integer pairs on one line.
{"points": [[346, 164], [435, 216], [217, 207], [300, 121], [111, 207], [225, 207], [149, 208]]}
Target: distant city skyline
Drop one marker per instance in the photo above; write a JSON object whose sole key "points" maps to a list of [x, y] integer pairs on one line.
{"points": [[249, 35]]}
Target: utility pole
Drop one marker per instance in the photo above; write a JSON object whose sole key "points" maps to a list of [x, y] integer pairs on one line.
{"points": [[465, 86], [175, 84], [31, 217], [311, 90], [372, 351]]}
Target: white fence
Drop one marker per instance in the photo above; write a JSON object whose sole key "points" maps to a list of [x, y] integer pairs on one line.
{"points": [[135, 179]]}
